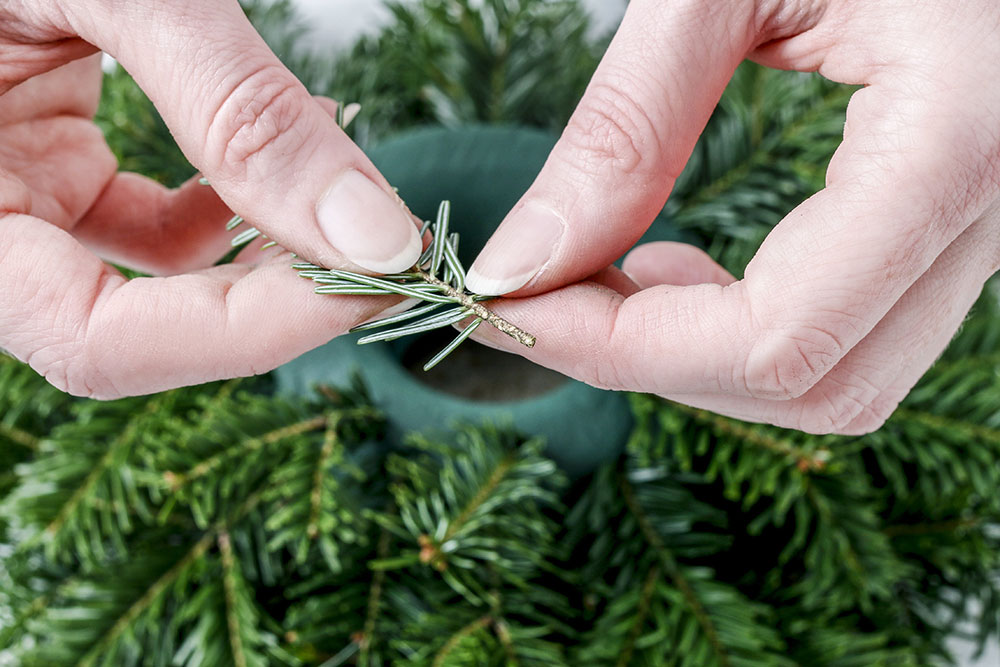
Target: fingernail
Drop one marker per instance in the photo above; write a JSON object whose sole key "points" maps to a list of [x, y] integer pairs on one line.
{"points": [[351, 112], [367, 225], [517, 252]]}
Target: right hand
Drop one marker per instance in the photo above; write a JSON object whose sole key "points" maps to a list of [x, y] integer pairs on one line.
{"points": [[851, 297]]}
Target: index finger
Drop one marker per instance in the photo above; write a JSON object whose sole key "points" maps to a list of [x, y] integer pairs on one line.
{"points": [[90, 332]]}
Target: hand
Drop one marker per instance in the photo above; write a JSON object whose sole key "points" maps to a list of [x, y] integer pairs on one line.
{"points": [[271, 152], [851, 297]]}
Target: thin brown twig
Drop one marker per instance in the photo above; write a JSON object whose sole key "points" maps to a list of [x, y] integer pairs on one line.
{"points": [[806, 461], [178, 480], [320, 474], [456, 638], [366, 638], [231, 584], [20, 437], [911, 529], [645, 601], [481, 311], [669, 563]]}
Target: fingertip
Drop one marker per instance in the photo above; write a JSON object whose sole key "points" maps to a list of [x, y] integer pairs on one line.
{"points": [[672, 263], [520, 250]]}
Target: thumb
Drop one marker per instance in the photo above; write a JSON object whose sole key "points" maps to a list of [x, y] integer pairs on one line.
{"points": [[268, 147], [612, 169]]}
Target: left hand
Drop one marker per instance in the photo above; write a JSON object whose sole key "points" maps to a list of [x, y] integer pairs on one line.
{"points": [[270, 149]]}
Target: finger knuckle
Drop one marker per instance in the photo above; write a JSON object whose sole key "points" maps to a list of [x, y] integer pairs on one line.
{"points": [[260, 116], [605, 364], [611, 131], [71, 368], [606, 374], [833, 413], [871, 419], [785, 364]]}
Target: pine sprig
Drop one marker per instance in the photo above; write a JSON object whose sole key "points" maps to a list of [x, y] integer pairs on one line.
{"points": [[438, 277]]}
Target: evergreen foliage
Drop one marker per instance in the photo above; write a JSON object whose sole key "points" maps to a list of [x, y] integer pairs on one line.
{"points": [[224, 525], [460, 61]]}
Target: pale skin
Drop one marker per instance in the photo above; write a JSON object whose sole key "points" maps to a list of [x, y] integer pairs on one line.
{"points": [[851, 297], [270, 150], [846, 304]]}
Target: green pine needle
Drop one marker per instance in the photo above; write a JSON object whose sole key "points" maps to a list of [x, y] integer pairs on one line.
{"points": [[453, 344], [442, 302]]}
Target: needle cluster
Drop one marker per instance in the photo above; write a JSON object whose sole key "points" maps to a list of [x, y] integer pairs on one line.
{"points": [[436, 281]]}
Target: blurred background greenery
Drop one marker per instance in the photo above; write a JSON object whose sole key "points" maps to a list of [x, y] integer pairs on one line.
{"points": [[223, 525]]}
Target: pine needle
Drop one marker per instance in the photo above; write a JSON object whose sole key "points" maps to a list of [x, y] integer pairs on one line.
{"points": [[422, 283]]}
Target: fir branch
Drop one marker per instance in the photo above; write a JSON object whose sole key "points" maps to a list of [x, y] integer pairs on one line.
{"points": [[19, 437], [847, 552], [805, 460], [160, 586], [330, 442], [832, 101], [962, 428], [175, 481], [423, 283], [230, 583], [669, 563], [31, 610], [456, 639], [645, 600], [84, 490], [430, 549]]}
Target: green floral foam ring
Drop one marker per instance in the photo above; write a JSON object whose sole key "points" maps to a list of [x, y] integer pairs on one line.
{"points": [[483, 171]]}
